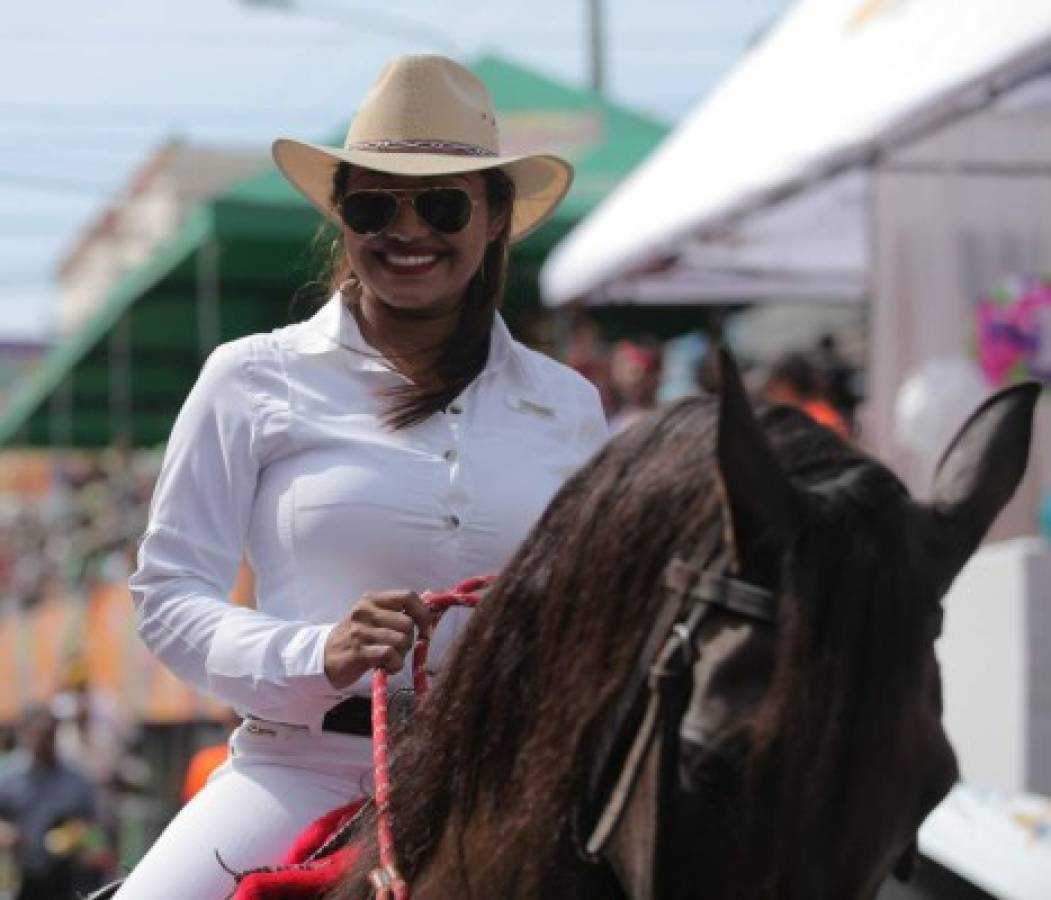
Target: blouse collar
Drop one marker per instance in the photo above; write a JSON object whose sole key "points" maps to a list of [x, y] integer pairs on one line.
{"points": [[334, 327]]}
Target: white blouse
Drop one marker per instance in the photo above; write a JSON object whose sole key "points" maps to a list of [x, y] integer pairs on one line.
{"points": [[278, 454]]}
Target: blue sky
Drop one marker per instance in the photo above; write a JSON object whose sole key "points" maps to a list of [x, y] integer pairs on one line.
{"points": [[88, 88]]}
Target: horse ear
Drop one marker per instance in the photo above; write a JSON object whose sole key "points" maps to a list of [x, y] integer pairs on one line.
{"points": [[982, 467], [756, 493]]}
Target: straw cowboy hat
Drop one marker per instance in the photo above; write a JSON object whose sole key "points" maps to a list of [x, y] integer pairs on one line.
{"points": [[427, 115]]}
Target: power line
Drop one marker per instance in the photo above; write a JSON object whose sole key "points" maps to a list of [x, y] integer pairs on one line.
{"points": [[101, 130], [372, 22], [33, 181], [131, 153], [163, 34], [18, 281], [95, 113], [32, 227]]}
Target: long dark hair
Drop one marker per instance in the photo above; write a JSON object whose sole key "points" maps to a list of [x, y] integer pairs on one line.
{"points": [[500, 751], [465, 353]]}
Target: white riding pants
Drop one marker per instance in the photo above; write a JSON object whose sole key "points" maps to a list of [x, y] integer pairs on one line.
{"points": [[277, 781]]}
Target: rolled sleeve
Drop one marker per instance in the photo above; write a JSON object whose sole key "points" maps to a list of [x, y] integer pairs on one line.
{"points": [[189, 556]]}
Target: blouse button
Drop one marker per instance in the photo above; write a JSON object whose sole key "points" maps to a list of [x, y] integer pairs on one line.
{"points": [[453, 522], [450, 456]]}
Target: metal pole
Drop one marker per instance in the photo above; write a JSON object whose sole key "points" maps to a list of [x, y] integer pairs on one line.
{"points": [[596, 46], [60, 415], [207, 298], [120, 381]]}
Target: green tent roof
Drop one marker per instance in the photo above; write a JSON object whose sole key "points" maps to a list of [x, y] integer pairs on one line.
{"points": [[124, 375]]}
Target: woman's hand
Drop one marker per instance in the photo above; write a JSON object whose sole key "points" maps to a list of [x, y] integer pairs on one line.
{"points": [[378, 631]]}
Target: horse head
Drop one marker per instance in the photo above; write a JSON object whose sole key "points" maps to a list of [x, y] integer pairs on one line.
{"points": [[789, 742]]}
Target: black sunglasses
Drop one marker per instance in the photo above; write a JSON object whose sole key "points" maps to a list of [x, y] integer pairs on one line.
{"points": [[371, 210]]}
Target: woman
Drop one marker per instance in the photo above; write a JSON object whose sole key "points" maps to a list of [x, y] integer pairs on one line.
{"points": [[399, 441]]}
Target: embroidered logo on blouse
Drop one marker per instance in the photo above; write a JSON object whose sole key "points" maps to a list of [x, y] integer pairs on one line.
{"points": [[521, 404]]}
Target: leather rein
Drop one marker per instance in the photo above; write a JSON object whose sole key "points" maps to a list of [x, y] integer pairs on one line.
{"points": [[662, 678]]}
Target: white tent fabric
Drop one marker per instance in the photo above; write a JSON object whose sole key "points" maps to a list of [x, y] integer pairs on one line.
{"points": [[958, 218], [813, 246], [998, 842], [833, 84]]}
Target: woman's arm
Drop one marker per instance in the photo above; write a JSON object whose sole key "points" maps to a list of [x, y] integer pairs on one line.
{"points": [[189, 556]]}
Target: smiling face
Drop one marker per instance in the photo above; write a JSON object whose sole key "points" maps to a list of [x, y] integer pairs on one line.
{"points": [[410, 265]]}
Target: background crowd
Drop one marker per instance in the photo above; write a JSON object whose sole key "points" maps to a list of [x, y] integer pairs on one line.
{"points": [[637, 374]]}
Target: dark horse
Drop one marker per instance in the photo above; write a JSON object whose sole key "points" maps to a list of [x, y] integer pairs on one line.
{"points": [[708, 673]]}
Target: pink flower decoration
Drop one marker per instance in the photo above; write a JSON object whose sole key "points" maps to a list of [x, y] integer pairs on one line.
{"points": [[1012, 333]]}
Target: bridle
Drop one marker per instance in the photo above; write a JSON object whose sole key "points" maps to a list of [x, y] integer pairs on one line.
{"points": [[662, 679]]}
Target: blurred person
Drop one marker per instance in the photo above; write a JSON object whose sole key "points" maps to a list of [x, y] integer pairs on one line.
{"points": [[793, 380], [681, 358], [7, 555], [127, 516], [208, 758], [39, 796], [587, 355], [358, 459], [635, 373], [91, 728], [95, 736], [30, 569], [838, 376], [201, 766], [143, 469], [8, 747]]}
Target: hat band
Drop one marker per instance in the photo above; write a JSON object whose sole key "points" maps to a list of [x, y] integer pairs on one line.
{"points": [[414, 146]]}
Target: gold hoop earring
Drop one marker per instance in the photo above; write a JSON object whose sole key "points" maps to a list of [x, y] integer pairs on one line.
{"points": [[350, 287]]}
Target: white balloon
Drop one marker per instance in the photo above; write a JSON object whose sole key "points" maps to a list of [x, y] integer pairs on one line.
{"points": [[933, 402]]}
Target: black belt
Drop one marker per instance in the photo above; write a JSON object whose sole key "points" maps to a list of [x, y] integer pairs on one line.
{"points": [[350, 716]]}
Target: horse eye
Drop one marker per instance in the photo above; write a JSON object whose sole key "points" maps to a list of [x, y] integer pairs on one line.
{"points": [[705, 769]]}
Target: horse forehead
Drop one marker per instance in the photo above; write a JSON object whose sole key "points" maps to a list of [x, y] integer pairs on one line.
{"points": [[868, 503], [855, 482], [730, 677]]}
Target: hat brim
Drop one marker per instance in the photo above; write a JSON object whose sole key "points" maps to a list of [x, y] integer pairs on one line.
{"points": [[541, 180]]}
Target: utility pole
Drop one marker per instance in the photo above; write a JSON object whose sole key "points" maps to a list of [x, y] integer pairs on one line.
{"points": [[596, 45]]}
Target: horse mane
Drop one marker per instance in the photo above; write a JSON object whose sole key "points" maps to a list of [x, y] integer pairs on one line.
{"points": [[854, 603], [507, 736]]}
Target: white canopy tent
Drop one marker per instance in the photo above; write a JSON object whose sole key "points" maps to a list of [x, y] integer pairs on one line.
{"points": [[761, 192], [811, 247]]}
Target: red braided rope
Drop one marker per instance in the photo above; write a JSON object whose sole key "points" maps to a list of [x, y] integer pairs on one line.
{"points": [[386, 880]]}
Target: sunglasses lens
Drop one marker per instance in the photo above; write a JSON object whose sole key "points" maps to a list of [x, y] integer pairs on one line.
{"points": [[368, 212], [444, 209]]}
